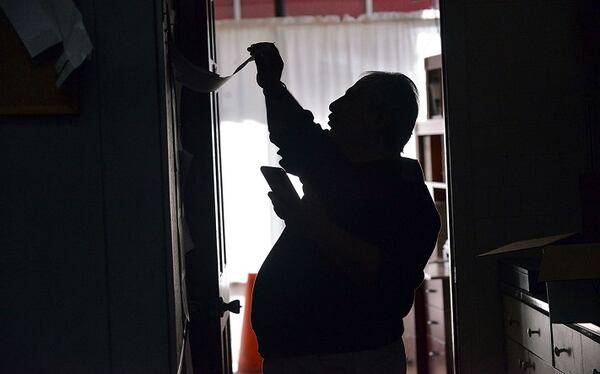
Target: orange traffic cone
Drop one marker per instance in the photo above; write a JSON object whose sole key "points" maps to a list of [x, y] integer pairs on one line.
{"points": [[250, 360]]}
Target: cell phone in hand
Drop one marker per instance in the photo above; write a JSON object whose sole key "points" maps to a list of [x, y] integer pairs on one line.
{"points": [[280, 183]]}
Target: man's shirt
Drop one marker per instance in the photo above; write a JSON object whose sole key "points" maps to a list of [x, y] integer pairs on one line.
{"points": [[303, 303]]}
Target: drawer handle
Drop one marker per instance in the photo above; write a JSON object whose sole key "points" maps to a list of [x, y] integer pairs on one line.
{"points": [[431, 290], [526, 364], [558, 351], [512, 322], [529, 364], [433, 353], [432, 322], [532, 332]]}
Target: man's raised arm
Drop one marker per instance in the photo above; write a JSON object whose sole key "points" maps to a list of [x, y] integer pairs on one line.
{"points": [[290, 126]]}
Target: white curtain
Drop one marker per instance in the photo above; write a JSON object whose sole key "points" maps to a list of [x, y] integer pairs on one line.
{"points": [[323, 57]]}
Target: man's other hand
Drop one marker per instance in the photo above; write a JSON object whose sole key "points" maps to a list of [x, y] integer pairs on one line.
{"points": [[305, 217], [269, 64], [360, 259]]}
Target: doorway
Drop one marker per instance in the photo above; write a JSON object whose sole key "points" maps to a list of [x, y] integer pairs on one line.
{"points": [[325, 49]]}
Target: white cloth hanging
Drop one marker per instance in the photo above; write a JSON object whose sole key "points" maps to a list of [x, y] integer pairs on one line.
{"points": [[324, 56]]}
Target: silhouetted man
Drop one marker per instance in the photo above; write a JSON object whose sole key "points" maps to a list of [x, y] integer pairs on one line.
{"points": [[331, 295]]}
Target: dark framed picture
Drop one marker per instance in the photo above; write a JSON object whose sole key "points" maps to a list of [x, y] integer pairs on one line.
{"points": [[28, 86]]}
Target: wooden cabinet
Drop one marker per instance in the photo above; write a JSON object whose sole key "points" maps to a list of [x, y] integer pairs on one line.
{"points": [[516, 356], [427, 329], [433, 290], [431, 152], [513, 321], [591, 355], [519, 360], [528, 327], [536, 365], [435, 323], [536, 333], [410, 342], [437, 357], [435, 91], [534, 345], [427, 335], [438, 332], [567, 349]]}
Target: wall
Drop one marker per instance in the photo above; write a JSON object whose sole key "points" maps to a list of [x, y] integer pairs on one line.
{"points": [[224, 9], [517, 144], [84, 243]]}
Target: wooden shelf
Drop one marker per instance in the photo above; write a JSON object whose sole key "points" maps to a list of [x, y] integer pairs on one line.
{"points": [[434, 126], [431, 156], [440, 185], [428, 337]]}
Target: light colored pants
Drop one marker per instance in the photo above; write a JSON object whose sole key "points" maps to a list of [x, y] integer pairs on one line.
{"points": [[390, 359]]}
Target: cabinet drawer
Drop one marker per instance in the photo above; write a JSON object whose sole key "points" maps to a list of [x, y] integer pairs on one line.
{"points": [[567, 349], [536, 332], [513, 320], [519, 361], [538, 366], [409, 322], [410, 348], [433, 290], [436, 357], [591, 355], [516, 356], [435, 323], [528, 327]]}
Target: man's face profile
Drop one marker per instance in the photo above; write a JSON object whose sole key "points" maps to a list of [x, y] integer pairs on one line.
{"points": [[350, 115]]}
